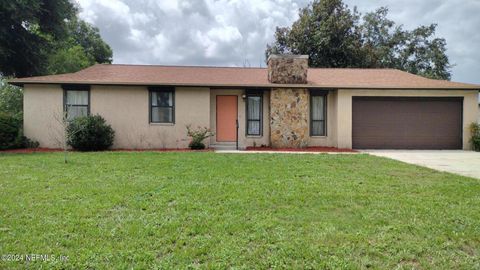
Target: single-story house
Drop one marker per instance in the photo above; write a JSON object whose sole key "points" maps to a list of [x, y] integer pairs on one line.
{"points": [[286, 104]]}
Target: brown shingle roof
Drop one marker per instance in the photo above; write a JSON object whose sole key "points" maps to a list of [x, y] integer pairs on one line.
{"points": [[241, 77]]}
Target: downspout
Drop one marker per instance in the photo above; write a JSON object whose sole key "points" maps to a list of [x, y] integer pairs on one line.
{"points": [[236, 139]]}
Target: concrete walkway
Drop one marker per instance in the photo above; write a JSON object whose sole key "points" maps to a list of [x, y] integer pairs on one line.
{"points": [[279, 152], [465, 163]]}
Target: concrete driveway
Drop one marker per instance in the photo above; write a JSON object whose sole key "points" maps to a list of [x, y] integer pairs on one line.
{"points": [[465, 163]]}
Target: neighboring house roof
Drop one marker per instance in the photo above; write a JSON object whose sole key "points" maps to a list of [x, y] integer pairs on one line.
{"points": [[106, 74]]}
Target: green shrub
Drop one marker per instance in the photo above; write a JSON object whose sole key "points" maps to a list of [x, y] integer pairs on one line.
{"points": [[196, 145], [9, 130], [24, 142], [89, 133], [11, 133], [475, 130], [198, 136]]}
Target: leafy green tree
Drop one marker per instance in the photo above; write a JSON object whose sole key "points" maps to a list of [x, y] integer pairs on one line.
{"points": [[27, 30], [333, 36], [11, 117], [327, 31], [37, 35], [69, 59], [380, 39], [11, 99], [83, 48], [418, 51], [88, 36]]}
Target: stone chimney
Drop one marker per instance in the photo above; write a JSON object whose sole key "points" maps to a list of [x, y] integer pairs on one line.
{"points": [[287, 69], [288, 106]]}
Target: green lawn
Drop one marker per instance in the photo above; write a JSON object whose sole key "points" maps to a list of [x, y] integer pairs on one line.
{"points": [[120, 210]]}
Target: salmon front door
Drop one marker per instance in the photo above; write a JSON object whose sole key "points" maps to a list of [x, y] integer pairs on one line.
{"points": [[227, 118]]}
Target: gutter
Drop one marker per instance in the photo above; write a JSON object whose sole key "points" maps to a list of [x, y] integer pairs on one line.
{"points": [[307, 86]]}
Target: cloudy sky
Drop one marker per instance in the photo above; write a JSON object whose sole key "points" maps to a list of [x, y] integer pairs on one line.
{"points": [[235, 32]]}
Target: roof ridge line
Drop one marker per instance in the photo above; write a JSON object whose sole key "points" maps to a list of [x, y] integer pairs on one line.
{"points": [[236, 67], [181, 66]]}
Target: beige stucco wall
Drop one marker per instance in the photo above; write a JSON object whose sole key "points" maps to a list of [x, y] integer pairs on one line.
{"points": [[126, 109], [344, 109], [243, 139], [43, 105]]}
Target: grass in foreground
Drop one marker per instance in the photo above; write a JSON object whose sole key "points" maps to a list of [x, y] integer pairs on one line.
{"points": [[185, 210]]}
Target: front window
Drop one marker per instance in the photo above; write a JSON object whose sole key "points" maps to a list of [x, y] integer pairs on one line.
{"points": [[162, 106], [318, 113], [254, 115], [76, 103]]}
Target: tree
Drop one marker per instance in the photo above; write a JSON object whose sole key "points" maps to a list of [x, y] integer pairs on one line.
{"points": [[27, 30], [69, 59], [11, 99], [59, 132], [37, 36], [387, 45], [380, 39], [333, 36], [83, 47], [88, 37], [327, 31]]}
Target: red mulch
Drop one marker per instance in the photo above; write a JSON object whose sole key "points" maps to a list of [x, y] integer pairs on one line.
{"points": [[49, 150], [31, 150], [307, 149], [161, 150]]}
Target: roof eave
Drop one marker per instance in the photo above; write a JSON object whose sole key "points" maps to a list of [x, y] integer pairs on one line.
{"points": [[21, 83]]}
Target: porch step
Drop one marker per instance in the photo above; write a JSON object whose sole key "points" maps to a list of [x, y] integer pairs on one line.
{"points": [[224, 146]]}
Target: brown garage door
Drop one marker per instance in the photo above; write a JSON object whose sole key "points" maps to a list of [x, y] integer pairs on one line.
{"points": [[407, 123]]}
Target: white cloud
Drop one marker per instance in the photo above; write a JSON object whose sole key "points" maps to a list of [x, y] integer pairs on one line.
{"points": [[224, 34], [202, 32], [232, 32]]}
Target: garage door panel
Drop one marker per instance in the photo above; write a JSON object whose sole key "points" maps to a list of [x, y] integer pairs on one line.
{"points": [[407, 123], [372, 130], [418, 142]]}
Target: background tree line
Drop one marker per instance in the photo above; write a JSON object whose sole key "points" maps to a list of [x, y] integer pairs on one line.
{"points": [[335, 36], [40, 37]]}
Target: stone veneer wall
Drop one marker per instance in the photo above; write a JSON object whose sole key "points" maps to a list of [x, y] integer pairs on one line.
{"points": [[288, 69], [289, 117]]}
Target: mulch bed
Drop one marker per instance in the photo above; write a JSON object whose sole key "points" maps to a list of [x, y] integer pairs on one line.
{"points": [[161, 150], [31, 150], [307, 149], [50, 150]]}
